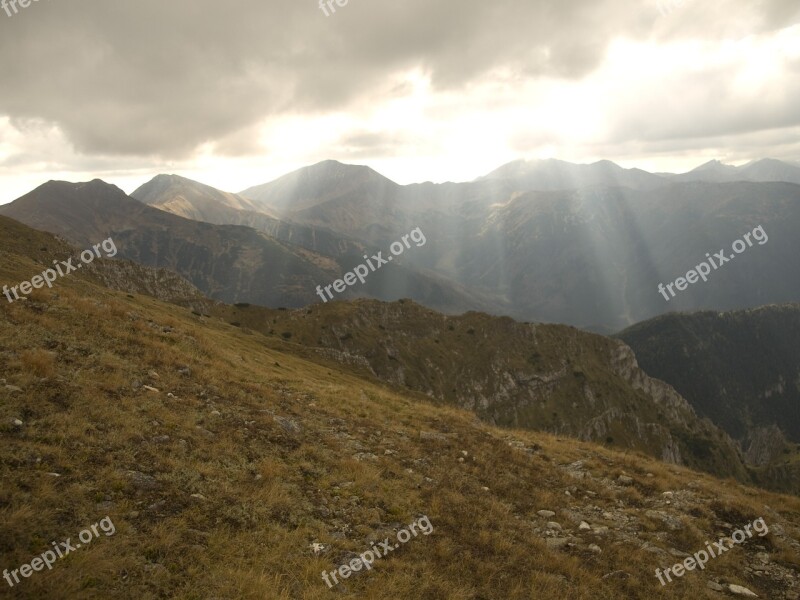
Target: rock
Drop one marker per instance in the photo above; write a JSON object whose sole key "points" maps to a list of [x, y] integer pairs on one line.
{"points": [[556, 543], [153, 375], [600, 530], [625, 480], [141, 481], [185, 371], [594, 548], [553, 525], [198, 496], [362, 456], [616, 575], [17, 423], [738, 590], [485, 489], [215, 413], [13, 388], [584, 526], [546, 514], [433, 435], [150, 389], [288, 425], [461, 459], [713, 585], [464, 453]]}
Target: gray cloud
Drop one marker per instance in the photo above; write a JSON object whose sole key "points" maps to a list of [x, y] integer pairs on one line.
{"points": [[155, 78]]}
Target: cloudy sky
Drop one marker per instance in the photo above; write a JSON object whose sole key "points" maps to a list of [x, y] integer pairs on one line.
{"points": [[237, 93]]}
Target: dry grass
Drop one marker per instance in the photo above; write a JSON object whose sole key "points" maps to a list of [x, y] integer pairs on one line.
{"points": [[278, 448]]}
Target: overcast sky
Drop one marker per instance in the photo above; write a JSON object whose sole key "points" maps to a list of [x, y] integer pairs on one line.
{"points": [[237, 93]]}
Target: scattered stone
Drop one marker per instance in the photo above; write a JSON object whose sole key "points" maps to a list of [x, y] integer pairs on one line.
{"points": [[153, 375], [170, 395], [198, 496], [595, 549], [485, 489], [464, 453], [17, 423], [317, 548], [142, 481], [461, 459], [556, 543], [215, 413], [433, 435], [553, 525], [288, 425], [13, 388], [625, 480], [584, 526], [713, 585], [185, 371], [546, 514], [616, 575], [150, 389], [54, 474], [738, 590], [362, 456]]}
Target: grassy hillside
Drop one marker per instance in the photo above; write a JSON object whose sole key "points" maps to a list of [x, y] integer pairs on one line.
{"points": [[221, 460], [551, 378]]}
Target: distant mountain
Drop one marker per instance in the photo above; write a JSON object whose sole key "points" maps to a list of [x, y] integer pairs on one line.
{"points": [[741, 370], [591, 257], [531, 376], [310, 186], [226, 262], [192, 200], [765, 170], [552, 174]]}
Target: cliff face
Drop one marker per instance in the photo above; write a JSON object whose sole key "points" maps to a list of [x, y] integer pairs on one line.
{"points": [[550, 378]]}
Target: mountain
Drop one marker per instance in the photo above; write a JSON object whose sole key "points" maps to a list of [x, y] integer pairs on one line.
{"points": [[208, 454], [310, 186], [542, 377], [190, 199], [552, 174], [228, 263], [740, 369], [194, 200], [765, 170], [591, 257]]}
